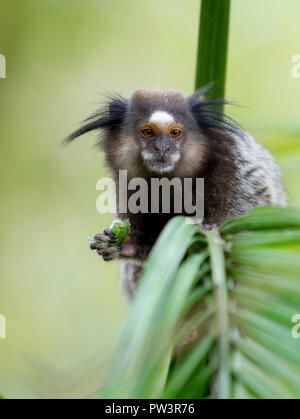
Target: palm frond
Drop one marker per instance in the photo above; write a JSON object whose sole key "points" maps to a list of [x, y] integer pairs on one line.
{"points": [[212, 313]]}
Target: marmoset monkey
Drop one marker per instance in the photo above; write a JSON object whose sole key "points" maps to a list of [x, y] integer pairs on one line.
{"points": [[159, 133]]}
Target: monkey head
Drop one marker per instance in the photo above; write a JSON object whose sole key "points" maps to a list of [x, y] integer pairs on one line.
{"points": [[157, 132]]}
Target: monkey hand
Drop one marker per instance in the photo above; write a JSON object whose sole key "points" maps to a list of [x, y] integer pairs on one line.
{"points": [[105, 245], [107, 248]]}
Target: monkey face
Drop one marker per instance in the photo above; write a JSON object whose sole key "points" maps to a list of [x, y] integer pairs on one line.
{"points": [[160, 140], [158, 119]]}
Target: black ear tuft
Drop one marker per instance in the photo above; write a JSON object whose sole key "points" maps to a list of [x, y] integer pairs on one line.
{"points": [[206, 112], [110, 117]]}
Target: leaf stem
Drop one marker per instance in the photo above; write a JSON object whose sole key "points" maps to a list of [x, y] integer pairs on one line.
{"points": [[215, 245], [212, 46]]}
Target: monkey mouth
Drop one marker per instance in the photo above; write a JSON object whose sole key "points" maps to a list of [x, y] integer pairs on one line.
{"points": [[160, 163], [162, 159], [159, 168]]}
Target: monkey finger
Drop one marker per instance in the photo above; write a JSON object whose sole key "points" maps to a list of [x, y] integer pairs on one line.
{"points": [[109, 253], [101, 246], [108, 257], [96, 246], [101, 237], [109, 233], [104, 238]]}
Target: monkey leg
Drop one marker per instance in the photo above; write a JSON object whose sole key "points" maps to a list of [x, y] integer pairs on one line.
{"points": [[130, 271]]}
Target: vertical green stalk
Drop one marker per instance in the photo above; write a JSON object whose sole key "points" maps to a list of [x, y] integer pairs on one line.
{"points": [[211, 67], [212, 46], [215, 245]]}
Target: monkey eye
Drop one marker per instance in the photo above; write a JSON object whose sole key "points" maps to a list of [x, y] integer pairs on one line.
{"points": [[147, 132], [175, 133]]}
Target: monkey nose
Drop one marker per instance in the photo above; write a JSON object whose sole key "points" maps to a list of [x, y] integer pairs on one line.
{"points": [[162, 147]]}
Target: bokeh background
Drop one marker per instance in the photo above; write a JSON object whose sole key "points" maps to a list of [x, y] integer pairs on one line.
{"points": [[61, 302]]}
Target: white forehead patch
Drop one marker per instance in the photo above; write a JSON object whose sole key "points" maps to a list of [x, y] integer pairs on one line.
{"points": [[161, 117]]}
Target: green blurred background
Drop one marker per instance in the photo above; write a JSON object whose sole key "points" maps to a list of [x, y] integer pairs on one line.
{"points": [[61, 302]]}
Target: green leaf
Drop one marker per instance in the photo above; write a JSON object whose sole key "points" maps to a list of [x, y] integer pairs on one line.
{"points": [[263, 218], [236, 297]]}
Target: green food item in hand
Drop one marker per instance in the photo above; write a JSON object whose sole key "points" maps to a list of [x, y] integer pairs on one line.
{"points": [[120, 229]]}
